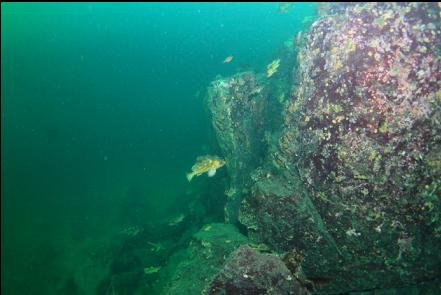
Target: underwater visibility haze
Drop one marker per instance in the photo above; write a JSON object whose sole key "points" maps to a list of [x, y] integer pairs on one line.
{"points": [[220, 148]]}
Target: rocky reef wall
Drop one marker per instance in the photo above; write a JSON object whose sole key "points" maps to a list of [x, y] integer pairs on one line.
{"points": [[353, 185], [245, 114], [237, 107]]}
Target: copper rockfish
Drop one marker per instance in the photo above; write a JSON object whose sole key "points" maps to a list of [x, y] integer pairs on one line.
{"points": [[204, 164]]}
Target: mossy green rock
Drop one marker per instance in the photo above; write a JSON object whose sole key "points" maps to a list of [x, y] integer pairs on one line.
{"points": [[205, 256]]}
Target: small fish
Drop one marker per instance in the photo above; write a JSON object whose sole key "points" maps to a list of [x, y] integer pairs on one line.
{"points": [[228, 59], [156, 247], [176, 220], [307, 20], [131, 231], [205, 164], [151, 269], [284, 7], [272, 67]]}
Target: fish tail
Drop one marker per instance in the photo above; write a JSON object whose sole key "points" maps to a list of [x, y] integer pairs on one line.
{"points": [[190, 176]]}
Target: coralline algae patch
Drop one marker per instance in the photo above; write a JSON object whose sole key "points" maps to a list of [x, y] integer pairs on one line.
{"points": [[368, 110]]}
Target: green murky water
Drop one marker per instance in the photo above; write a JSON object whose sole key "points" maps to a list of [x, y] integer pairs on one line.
{"points": [[102, 114]]}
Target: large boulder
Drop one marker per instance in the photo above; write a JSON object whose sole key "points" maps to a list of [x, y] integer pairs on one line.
{"points": [[355, 182], [245, 113], [207, 252], [249, 272], [237, 107]]}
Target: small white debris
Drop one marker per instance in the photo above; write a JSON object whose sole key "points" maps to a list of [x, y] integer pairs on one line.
{"points": [[351, 232]]}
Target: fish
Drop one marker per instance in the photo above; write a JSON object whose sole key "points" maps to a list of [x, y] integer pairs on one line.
{"points": [[156, 247], [284, 7], [272, 67], [204, 164], [228, 59], [151, 269], [132, 231], [176, 220]]}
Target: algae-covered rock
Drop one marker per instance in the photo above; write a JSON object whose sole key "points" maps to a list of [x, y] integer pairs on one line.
{"points": [[237, 106], [245, 112], [205, 256], [355, 182], [249, 272]]}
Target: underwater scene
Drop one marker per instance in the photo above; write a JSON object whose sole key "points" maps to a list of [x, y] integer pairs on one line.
{"points": [[221, 148]]}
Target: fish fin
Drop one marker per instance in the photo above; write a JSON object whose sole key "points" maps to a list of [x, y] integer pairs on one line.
{"points": [[189, 176], [211, 172]]}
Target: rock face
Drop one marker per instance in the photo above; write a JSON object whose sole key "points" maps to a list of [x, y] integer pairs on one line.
{"points": [[237, 105], [245, 113], [249, 272], [205, 256], [354, 184]]}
